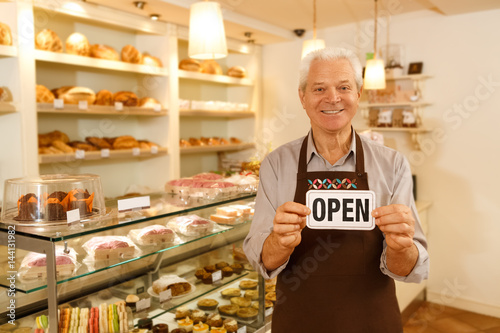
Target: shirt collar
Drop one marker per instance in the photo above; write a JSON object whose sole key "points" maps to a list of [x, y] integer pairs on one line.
{"points": [[311, 149]]}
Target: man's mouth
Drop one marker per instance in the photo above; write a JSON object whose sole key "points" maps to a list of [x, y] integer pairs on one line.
{"points": [[332, 111]]}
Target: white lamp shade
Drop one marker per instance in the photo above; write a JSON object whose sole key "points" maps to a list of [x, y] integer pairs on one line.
{"points": [[374, 74], [207, 38], [312, 45]]}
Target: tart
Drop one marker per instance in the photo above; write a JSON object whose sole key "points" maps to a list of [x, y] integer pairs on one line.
{"points": [[228, 310], [247, 313], [270, 296], [230, 292], [248, 284], [207, 304], [252, 294], [267, 305], [214, 320], [218, 330], [241, 301], [231, 325]]}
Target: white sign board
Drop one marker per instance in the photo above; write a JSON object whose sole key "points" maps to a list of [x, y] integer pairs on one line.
{"points": [[345, 210]]}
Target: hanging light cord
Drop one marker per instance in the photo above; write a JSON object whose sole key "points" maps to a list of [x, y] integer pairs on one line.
{"points": [[375, 31], [314, 19]]}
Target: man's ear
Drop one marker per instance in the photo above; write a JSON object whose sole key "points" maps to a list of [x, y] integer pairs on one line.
{"points": [[301, 96]]}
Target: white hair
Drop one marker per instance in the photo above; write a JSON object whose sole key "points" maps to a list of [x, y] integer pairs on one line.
{"points": [[330, 54]]}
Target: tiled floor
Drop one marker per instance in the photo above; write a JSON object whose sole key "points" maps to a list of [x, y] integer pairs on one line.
{"points": [[436, 318]]}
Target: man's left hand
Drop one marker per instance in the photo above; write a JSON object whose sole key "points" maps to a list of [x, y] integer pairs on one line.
{"points": [[398, 225]]}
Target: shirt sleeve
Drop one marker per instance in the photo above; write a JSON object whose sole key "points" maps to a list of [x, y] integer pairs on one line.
{"points": [[403, 194], [262, 223]]}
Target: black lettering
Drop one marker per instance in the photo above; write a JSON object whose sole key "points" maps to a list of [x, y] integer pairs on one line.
{"points": [[332, 210], [359, 209], [321, 210], [347, 210]]}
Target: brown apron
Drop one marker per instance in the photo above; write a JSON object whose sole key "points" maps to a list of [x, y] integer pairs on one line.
{"points": [[332, 282]]}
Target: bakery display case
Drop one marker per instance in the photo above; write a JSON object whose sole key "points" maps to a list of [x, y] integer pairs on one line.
{"points": [[141, 268]]}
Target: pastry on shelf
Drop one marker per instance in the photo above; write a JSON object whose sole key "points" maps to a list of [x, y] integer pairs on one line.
{"points": [[148, 102], [127, 98], [214, 319], [198, 316], [78, 44], [150, 60], [218, 330], [228, 310], [145, 144], [125, 142], [191, 65], [74, 95], [49, 150], [104, 97], [242, 302], [223, 141], [152, 235], [43, 94], [48, 40], [80, 145], [131, 55], [186, 324], [237, 71], [99, 143], [34, 264], [211, 66], [45, 140], [177, 285], [200, 327], [5, 95], [102, 51], [247, 313], [195, 142], [63, 146], [235, 140], [248, 284], [182, 312], [207, 304], [184, 143], [109, 247], [5, 34], [160, 328], [231, 325]]}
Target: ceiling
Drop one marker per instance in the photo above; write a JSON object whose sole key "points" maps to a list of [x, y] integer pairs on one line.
{"points": [[272, 21]]}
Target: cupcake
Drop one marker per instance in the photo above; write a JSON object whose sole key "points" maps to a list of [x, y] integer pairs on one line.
{"points": [[242, 302], [199, 273], [207, 304], [228, 310], [247, 313], [186, 324], [231, 325], [227, 271], [182, 312], [221, 265], [214, 320], [160, 328], [131, 301], [207, 278], [210, 268], [218, 330], [201, 328], [237, 268], [198, 315]]}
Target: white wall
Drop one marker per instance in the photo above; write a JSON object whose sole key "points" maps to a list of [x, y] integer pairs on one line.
{"points": [[458, 167]]}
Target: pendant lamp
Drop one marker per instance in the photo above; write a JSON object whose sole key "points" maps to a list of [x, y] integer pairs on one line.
{"points": [[312, 44], [375, 69], [207, 38]]}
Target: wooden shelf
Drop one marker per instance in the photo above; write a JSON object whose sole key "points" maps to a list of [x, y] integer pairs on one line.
{"points": [[7, 107], [8, 51], [80, 61], [218, 148], [396, 104], [216, 113], [223, 79], [97, 155], [414, 77], [99, 110]]}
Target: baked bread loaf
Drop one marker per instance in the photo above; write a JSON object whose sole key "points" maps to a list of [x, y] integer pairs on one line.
{"points": [[4, 95], [102, 51], [131, 54], [237, 71], [211, 66], [145, 144], [148, 102], [49, 150], [150, 60], [80, 145], [104, 97], [128, 98], [184, 143], [45, 140], [48, 40], [98, 142], [78, 44], [178, 285], [5, 34], [44, 95], [62, 146], [73, 95], [190, 65], [125, 142]]}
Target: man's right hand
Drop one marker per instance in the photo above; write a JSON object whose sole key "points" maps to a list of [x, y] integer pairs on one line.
{"points": [[288, 223]]}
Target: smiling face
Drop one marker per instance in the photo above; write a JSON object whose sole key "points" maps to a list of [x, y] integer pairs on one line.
{"points": [[331, 96]]}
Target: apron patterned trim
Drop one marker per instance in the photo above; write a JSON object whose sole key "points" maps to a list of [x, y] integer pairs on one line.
{"points": [[332, 184]]}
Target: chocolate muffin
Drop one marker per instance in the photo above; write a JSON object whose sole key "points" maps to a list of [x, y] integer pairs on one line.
{"points": [[199, 273], [237, 268], [207, 278], [227, 271], [221, 265], [160, 328], [28, 208]]}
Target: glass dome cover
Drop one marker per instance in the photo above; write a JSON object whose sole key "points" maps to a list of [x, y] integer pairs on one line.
{"points": [[46, 199]]}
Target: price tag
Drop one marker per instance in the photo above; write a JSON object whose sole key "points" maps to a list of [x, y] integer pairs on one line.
{"points": [[83, 105], [216, 276], [242, 329], [127, 205], [157, 107], [344, 210], [269, 311], [166, 295], [105, 153], [143, 304], [73, 215], [136, 151], [118, 106], [154, 149], [80, 154], [58, 103]]}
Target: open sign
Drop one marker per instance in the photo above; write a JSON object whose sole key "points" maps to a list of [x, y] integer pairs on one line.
{"points": [[346, 210]]}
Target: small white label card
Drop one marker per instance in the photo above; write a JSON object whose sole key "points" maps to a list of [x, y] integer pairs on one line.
{"points": [[118, 106], [143, 304], [345, 210], [58, 103], [105, 153], [127, 205], [166, 295], [269, 311], [157, 107], [216, 276], [136, 151], [83, 105], [242, 329], [73, 215], [80, 154], [154, 149]]}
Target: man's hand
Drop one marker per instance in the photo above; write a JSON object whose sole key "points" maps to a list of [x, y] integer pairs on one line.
{"points": [[398, 225], [288, 223]]}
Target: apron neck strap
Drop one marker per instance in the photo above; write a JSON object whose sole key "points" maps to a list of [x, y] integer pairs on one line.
{"points": [[360, 158]]}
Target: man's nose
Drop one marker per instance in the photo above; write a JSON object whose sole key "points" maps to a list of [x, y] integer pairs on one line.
{"points": [[333, 96]]}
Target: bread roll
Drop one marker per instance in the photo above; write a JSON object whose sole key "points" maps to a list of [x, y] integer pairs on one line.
{"points": [[82, 146], [190, 65], [73, 95], [125, 142], [128, 98], [5, 94], [237, 71], [104, 52], [45, 140], [62, 146], [149, 60], [235, 140], [148, 102], [131, 54], [5, 34], [104, 97], [98, 142], [44, 95], [211, 67], [48, 40], [78, 44]]}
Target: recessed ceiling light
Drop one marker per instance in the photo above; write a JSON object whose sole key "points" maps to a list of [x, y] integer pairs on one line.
{"points": [[139, 4], [155, 17]]}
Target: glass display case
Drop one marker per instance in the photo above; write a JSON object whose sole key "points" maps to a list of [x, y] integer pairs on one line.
{"points": [[134, 265]]}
